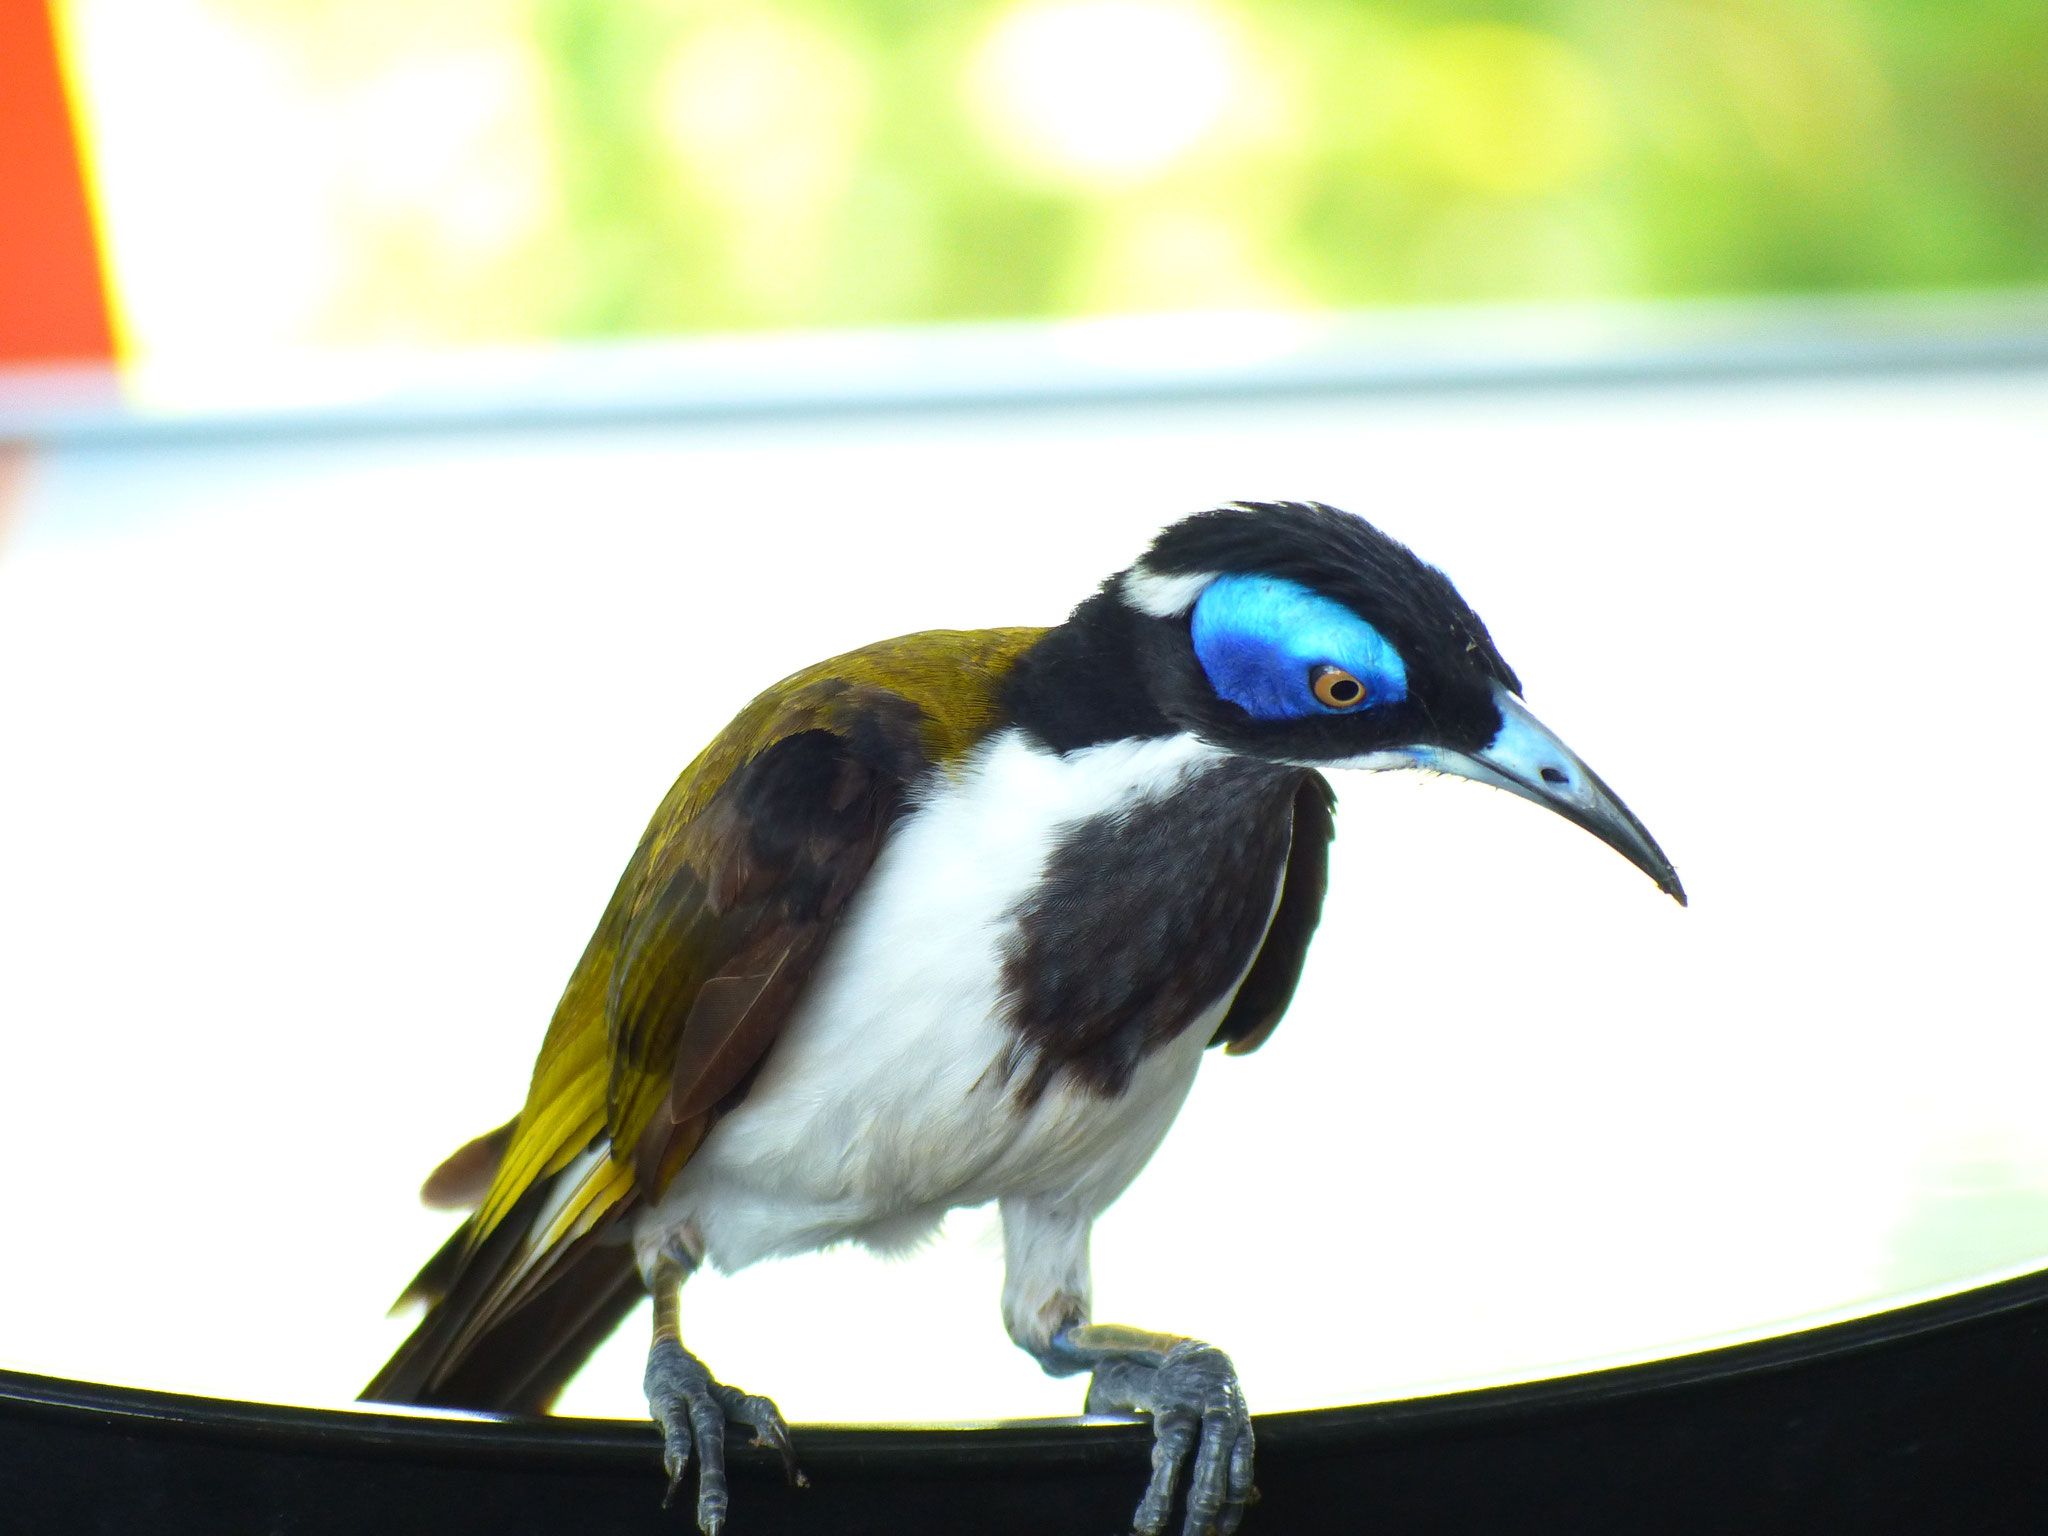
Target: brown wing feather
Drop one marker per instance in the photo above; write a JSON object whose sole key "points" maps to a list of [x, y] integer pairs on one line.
{"points": [[711, 964], [704, 983]]}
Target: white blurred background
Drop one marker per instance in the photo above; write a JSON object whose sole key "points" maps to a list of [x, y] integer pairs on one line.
{"points": [[323, 753]]}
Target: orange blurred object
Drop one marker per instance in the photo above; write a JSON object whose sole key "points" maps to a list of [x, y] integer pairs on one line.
{"points": [[53, 295]]}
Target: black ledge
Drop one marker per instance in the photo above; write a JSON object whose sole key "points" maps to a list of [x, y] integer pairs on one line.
{"points": [[1927, 1418]]}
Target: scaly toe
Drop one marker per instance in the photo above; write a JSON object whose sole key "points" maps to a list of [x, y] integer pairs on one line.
{"points": [[681, 1397], [1199, 1422]]}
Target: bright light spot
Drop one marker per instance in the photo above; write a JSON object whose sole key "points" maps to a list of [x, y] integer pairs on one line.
{"points": [[455, 143], [211, 168], [260, 194], [1105, 91]]}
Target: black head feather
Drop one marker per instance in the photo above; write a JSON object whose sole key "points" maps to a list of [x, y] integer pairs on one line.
{"points": [[1343, 556], [1113, 671]]}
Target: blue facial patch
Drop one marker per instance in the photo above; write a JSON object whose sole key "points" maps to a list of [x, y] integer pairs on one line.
{"points": [[1259, 637]]}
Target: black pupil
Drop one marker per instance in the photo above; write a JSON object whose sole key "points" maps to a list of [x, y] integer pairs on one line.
{"points": [[1345, 690]]}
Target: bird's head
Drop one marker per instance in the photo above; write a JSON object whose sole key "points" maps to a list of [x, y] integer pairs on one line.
{"points": [[1301, 634]]}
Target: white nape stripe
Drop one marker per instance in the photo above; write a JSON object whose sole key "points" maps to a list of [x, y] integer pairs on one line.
{"points": [[1370, 762], [1163, 596]]}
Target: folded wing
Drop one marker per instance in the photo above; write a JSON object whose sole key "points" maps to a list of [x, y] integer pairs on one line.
{"points": [[710, 937]]}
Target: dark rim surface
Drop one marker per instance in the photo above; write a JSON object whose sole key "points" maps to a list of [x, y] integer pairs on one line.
{"points": [[1047, 1442], [1930, 1417]]}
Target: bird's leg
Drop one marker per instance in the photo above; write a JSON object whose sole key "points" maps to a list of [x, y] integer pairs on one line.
{"points": [[1189, 1389], [693, 1408]]}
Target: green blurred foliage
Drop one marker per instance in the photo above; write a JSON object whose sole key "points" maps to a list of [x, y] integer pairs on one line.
{"points": [[734, 164]]}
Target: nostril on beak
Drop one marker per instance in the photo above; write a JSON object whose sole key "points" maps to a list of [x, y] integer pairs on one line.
{"points": [[1556, 778]]}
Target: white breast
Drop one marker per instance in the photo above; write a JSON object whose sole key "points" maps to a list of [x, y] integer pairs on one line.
{"points": [[882, 1105]]}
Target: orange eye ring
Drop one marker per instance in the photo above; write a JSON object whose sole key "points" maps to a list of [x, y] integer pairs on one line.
{"points": [[1335, 688]]}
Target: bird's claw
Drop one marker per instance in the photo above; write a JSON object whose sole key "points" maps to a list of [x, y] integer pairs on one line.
{"points": [[761, 1416], [693, 1409], [1193, 1396]]}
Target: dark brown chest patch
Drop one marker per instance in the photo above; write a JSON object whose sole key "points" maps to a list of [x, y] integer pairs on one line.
{"points": [[1144, 918]]}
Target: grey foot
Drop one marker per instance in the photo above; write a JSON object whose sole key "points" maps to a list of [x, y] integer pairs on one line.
{"points": [[693, 1410], [1196, 1404]]}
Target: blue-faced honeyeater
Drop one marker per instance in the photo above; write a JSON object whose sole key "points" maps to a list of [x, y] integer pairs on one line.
{"points": [[951, 919]]}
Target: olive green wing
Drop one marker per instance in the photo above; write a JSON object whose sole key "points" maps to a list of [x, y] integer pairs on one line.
{"points": [[736, 882], [710, 937]]}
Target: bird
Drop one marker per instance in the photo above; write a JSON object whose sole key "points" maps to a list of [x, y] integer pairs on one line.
{"points": [[954, 918]]}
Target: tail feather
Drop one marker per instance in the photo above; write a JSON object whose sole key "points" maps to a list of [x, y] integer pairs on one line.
{"points": [[497, 1337], [465, 1175]]}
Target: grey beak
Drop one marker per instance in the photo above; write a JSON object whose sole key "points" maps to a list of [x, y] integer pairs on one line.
{"points": [[1527, 759]]}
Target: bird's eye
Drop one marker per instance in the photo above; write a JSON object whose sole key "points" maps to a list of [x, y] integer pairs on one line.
{"points": [[1335, 687]]}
